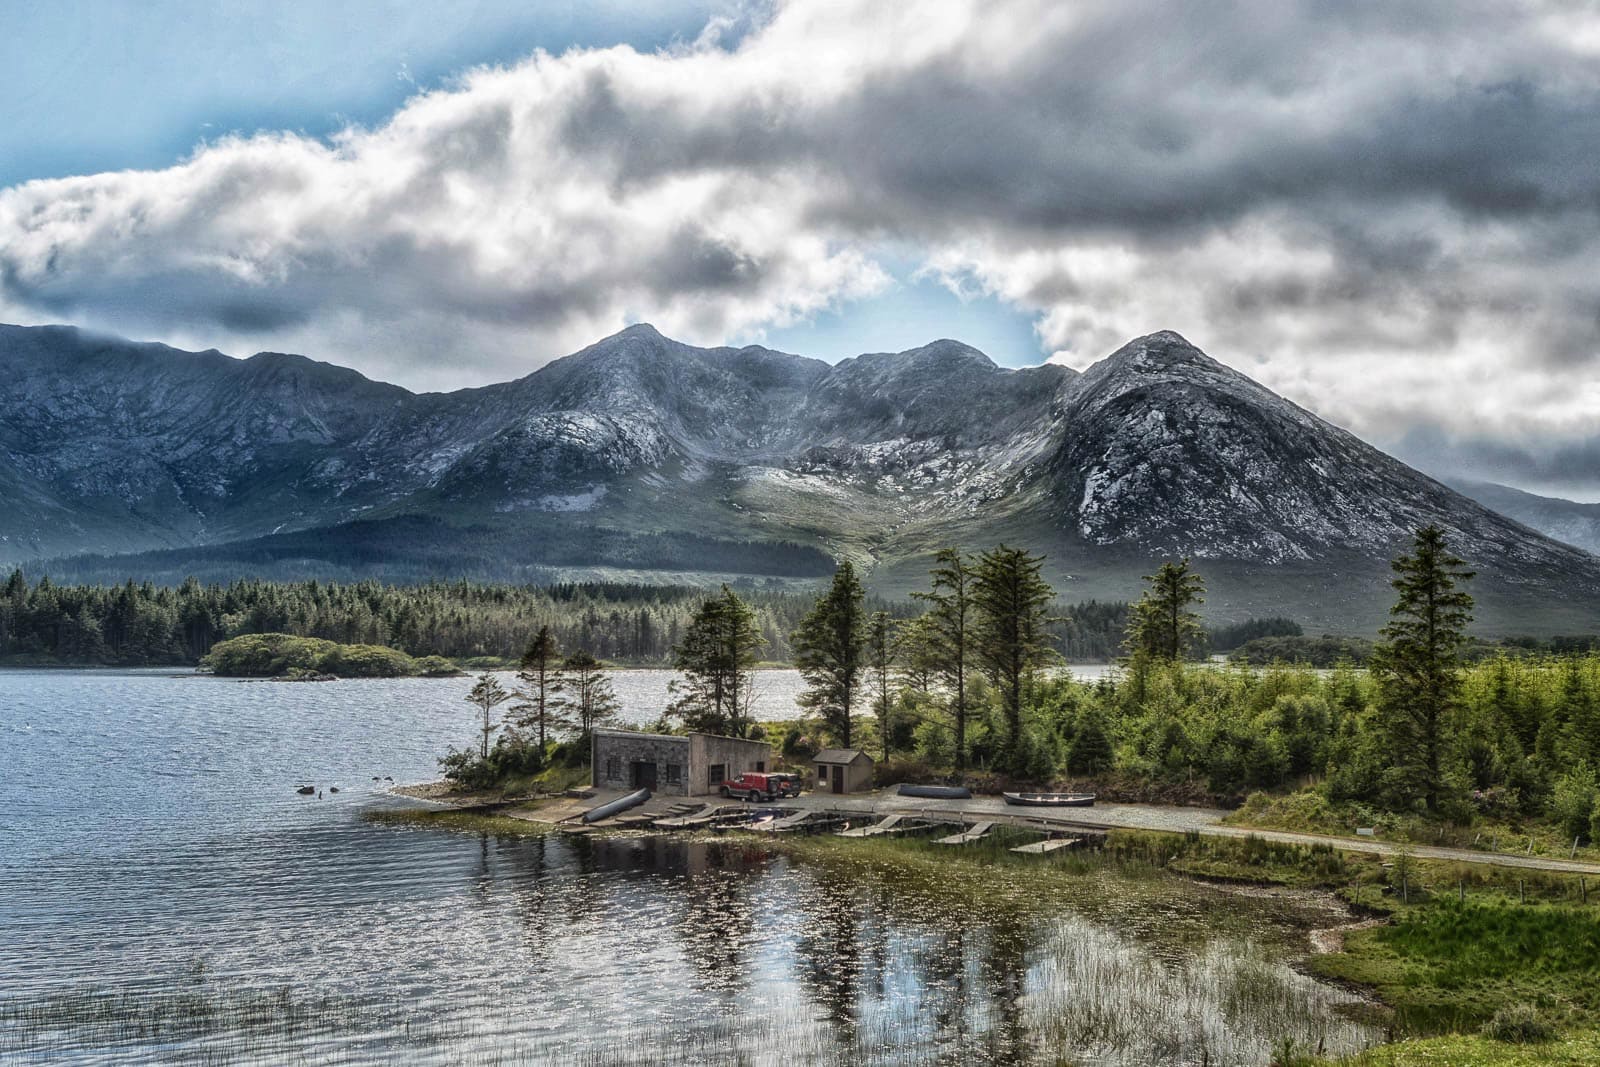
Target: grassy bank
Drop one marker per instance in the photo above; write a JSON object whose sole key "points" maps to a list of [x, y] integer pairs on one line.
{"points": [[1577, 1050], [1309, 811]]}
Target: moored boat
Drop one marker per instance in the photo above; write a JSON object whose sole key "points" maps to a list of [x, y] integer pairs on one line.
{"points": [[1051, 800]]}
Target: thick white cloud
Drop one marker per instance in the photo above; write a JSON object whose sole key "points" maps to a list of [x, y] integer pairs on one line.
{"points": [[1389, 212]]}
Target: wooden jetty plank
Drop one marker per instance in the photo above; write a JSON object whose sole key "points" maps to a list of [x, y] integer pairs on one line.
{"points": [[1039, 848], [967, 837], [788, 822], [888, 824], [685, 816]]}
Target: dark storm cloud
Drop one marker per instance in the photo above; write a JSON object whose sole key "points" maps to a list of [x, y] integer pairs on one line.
{"points": [[1347, 196], [1550, 467]]}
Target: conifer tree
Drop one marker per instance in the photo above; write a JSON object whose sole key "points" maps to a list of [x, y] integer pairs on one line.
{"points": [[1162, 626], [541, 675], [716, 658], [917, 654], [1091, 751], [948, 639], [830, 652], [1417, 666], [1011, 596], [587, 700], [880, 661], [487, 694]]}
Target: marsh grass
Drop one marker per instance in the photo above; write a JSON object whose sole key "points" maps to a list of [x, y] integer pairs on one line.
{"points": [[459, 821]]}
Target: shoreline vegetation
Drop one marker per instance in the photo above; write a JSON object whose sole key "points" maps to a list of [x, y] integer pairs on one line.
{"points": [[1421, 747], [1423, 742]]}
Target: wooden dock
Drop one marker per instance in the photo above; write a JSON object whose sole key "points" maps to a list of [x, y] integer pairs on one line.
{"points": [[961, 826]]}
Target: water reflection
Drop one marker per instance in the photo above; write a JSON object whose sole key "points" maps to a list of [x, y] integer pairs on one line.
{"points": [[655, 949]]}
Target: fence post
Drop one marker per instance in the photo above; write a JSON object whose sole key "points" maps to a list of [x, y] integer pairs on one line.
{"points": [[1522, 890], [1574, 851]]}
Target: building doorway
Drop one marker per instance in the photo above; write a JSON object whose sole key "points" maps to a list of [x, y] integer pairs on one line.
{"points": [[643, 775], [838, 778]]}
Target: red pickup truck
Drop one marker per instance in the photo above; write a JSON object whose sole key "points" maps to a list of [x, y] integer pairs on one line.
{"points": [[755, 786]]}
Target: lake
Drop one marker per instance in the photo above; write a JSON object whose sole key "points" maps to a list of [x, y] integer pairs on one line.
{"points": [[166, 895]]}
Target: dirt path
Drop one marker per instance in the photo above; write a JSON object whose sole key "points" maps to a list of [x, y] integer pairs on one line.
{"points": [[1180, 820]]}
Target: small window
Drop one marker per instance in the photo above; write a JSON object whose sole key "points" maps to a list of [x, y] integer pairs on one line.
{"points": [[674, 774], [613, 769]]}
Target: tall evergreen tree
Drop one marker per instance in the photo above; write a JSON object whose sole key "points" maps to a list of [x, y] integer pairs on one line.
{"points": [[1163, 625], [948, 638], [916, 655], [830, 652], [1417, 666], [716, 658], [541, 675], [880, 662], [1011, 596], [587, 700], [487, 694]]}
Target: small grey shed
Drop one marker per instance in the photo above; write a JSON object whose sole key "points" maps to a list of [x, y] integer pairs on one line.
{"points": [[843, 770]]}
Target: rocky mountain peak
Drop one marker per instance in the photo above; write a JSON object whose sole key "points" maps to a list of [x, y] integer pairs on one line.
{"points": [[1156, 450], [1159, 352]]}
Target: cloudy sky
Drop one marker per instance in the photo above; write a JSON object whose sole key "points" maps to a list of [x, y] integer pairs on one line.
{"points": [[1389, 213]]}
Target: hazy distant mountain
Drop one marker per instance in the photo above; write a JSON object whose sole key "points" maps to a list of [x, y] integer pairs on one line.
{"points": [[1565, 520], [646, 458]]}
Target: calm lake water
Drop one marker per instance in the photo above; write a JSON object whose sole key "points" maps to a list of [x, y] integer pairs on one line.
{"points": [[165, 895]]}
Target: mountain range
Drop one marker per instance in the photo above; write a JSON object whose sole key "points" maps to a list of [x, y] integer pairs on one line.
{"points": [[643, 458], [1565, 520]]}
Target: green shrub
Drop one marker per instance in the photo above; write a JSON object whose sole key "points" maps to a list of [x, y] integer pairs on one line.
{"points": [[267, 656], [437, 667], [1574, 801], [1518, 1023], [366, 661]]}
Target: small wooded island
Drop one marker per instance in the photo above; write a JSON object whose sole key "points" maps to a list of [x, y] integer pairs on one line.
{"points": [[288, 656]]}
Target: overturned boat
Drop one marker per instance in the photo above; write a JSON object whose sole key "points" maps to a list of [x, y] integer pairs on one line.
{"points": [[616, 807], [1051, 800], [936, 792]]}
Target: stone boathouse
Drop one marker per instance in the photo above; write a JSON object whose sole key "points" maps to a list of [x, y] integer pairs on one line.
{"points": [[675, 765]]}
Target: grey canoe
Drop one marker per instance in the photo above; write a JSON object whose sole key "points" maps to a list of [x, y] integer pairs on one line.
{"points": [[605, 811], [936, 792]]}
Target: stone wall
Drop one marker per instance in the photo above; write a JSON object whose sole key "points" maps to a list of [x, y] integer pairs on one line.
{"points": [[685, 766], [616, 751]]}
